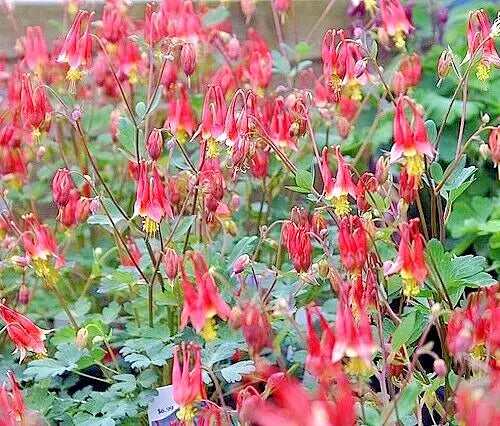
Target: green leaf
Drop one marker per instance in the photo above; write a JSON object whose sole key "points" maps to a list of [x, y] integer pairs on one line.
{"points": [[182, 229], [431, 130], [436, 172], [280, 63], [405, 404], [42, 368], [126, 383], [403, 332], [298, 189], [245, 246], [304, 179], [110, 312], [233, 373], [212, 354], [302, 49], [215, 16], [140, 109], [126, 134]]}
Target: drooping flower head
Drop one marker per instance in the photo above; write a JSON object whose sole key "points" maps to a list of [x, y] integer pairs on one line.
{"points": [[410, 137], [410, 262], [481, 44], [337, 189], [151, 201], [213, 119], [35, 108], [202, 300], [188, 387], [395, 21], [297, 240], [25, 335], [35, 49], [353, 245], [180, 119]]}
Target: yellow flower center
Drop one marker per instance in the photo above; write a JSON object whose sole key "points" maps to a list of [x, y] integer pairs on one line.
{"points": [[353, 90], [74, 75], [371, 5], [483, 71], [213, 148], [415, 165], [479, 352], [149, 226], [335, 83], [182, 136], [411, 287], [341, 205], [36, 135], [357, 367], [399, 39], [187, 413], [209, 331], [133, 76]]}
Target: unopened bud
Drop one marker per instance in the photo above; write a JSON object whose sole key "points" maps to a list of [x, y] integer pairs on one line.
{"points": [[485, 151], [97, 251], [188, 58], [382, 170], [97, 340], [399, 83], [235, 201], [171, 263], [440, 367], [444, 63], [61, 187], [241, 263], [359, 68], [435, 309], [40, 152], [485, 118], [24, 294], [20, 261], [76, 114], [231, 227], [94, 205], [343, 127], [154, 144], [323, 268], [82, 338]]}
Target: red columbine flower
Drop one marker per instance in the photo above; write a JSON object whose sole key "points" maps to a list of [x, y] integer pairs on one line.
{"points": [[410, 262], [171, 263], [25, 335], [353, 245], [366, 183], [395, 21], [494, 144], [151, 201], [319, 349], [18, 406], [479, 32], [259, 70], [254, 324], [297, 240], [259, 165], [201, 300], [76, 210], [39, 242], [408, 185], [61, 187], [353, 338], [77, 47], [130, 61], [180, 119], [281, 6], [279, 127], [411, 68], [410, 140], [152, 25], [35, 108], [114, 22], [213, 119], [477, 401], [337, 190], [35, 49], [213, 184], [333, 66], [188, 387]]}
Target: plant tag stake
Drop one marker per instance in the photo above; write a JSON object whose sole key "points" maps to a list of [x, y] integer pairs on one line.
{"points": [[162, 410]]}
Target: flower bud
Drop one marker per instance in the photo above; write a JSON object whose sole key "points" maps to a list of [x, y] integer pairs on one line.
{"points": [[76, 114], [40, 152], [20, 261], [494, 144], [398, 83], [444, 63], [24, 294], [94, 205], [82, 338], [171, 263], [440, 367], [233, 48], [231, 227], [485, 151], [343, 127], [485, 118], [281, 6], [359, 68], [382, 170], [154, 144], [235, 201], [323, 268], [240, 264], [188, 58], [61, 187], [248, 8]]}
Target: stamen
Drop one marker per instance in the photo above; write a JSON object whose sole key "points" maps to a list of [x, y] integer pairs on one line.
{"points": [[411, 288], [341, 205]]}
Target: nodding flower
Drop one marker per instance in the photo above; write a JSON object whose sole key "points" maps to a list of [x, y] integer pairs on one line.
{"points": [[213, 118], [481, 44], [152, 25], [395, 21], [151, 201], [61, 187], [154, 144], [409, 185], [494, 145], [35, 108], [236, 130], [180, 119], [114, 22], [35, 49], [319, 349], [337, 189], [410, 262], [188, 387], [411, 69], [188, 58], [131, 255], [353, 244], [410, 139], [77, 47], [76, 210], [40, 244], [202, 301], [23, 333], [353, 337], [296, 238]]}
